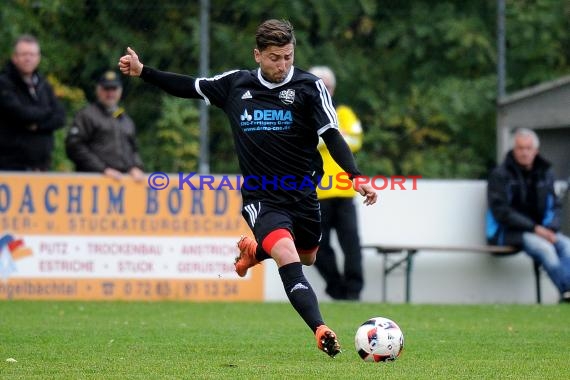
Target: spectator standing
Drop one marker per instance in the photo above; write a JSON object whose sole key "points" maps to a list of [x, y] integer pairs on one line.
{"points": [[102, 137], [29, 111]]}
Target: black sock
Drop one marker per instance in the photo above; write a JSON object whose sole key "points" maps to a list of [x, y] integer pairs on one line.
{"points": [[301, 295], [260, 253]]}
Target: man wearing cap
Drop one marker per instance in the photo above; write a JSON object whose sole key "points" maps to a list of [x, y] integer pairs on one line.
{"points": [[102, 136], [29, 111]]}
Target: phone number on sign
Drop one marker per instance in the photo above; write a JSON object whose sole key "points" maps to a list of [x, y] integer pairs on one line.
{"points": [[195, 290]]}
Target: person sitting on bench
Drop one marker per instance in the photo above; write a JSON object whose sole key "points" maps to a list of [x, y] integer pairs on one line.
{"points": [[524, 211]]}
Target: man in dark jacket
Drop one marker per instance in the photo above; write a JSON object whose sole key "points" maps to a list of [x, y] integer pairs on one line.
{"points": [[29, 111], [102, 137], [524, 211]]}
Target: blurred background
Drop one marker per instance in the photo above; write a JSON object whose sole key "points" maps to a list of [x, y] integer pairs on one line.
{"points": [[420, 74]]}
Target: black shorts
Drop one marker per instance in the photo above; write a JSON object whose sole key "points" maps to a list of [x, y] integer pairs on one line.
{"points": [[303, 220]]}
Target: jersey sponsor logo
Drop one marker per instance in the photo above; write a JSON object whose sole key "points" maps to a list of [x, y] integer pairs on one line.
{"points": [[245, 116], [246, 95], [267, 115], [266, 120], [287, 96], [272, 115]]}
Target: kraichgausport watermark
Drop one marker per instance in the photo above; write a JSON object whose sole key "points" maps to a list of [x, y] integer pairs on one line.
{"points": [[340, 181]]}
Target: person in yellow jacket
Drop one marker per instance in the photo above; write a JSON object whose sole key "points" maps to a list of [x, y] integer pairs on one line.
{"points": [[337, 208]]}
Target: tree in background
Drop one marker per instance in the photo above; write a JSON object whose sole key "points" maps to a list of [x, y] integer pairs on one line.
{"points": [[177, 136], [420, 74]]}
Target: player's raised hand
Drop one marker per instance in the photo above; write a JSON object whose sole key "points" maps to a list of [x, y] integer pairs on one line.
{"points": [[129, 63]]}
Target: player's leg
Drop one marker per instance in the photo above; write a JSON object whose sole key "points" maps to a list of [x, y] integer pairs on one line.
{"points": [[307, 231], [272, 228], [298, 289], [279, 242], [326, 262], [250, 252]]}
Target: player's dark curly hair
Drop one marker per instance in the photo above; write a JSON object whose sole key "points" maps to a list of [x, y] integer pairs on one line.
{"points": [[274, 33]]}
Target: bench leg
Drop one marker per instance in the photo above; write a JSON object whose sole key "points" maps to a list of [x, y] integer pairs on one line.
{"points": [[409, 256], [385, 272], [536, 267], [387, 268]]}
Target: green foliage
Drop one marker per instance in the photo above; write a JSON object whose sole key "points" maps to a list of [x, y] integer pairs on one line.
{"points": [[73, 100], [177, 137], [538, 41], [420, 74]]}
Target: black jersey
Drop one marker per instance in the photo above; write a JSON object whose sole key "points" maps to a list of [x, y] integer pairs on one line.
{"points": [[275, 126], [276, 130]]}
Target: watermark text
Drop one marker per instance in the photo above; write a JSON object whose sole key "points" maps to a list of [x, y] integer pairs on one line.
{"points": [[340, 181]]}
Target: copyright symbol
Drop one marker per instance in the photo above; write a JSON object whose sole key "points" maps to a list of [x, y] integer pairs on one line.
{"points": [[158, 181]]}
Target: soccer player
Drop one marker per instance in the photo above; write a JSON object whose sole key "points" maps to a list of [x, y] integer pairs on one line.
{"points": [[277, 113]]}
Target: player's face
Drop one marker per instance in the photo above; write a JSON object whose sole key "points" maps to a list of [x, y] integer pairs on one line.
{"points": [[26, 57], [275, 62], [524, 151]]}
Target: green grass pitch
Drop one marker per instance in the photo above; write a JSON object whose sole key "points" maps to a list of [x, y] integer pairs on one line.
{"points": [[171, 340]]}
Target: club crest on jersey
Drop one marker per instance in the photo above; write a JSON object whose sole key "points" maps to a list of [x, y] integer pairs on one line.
{"points": [[287, 96]]}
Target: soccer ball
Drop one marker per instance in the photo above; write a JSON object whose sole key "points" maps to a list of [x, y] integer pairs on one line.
{"points": [[378, 340]]}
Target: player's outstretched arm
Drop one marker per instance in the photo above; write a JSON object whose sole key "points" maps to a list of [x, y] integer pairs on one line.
{"points": [[129, 63], [179, 85]]}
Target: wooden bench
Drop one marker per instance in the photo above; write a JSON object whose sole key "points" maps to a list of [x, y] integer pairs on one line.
{"points": [[409, 251]]}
